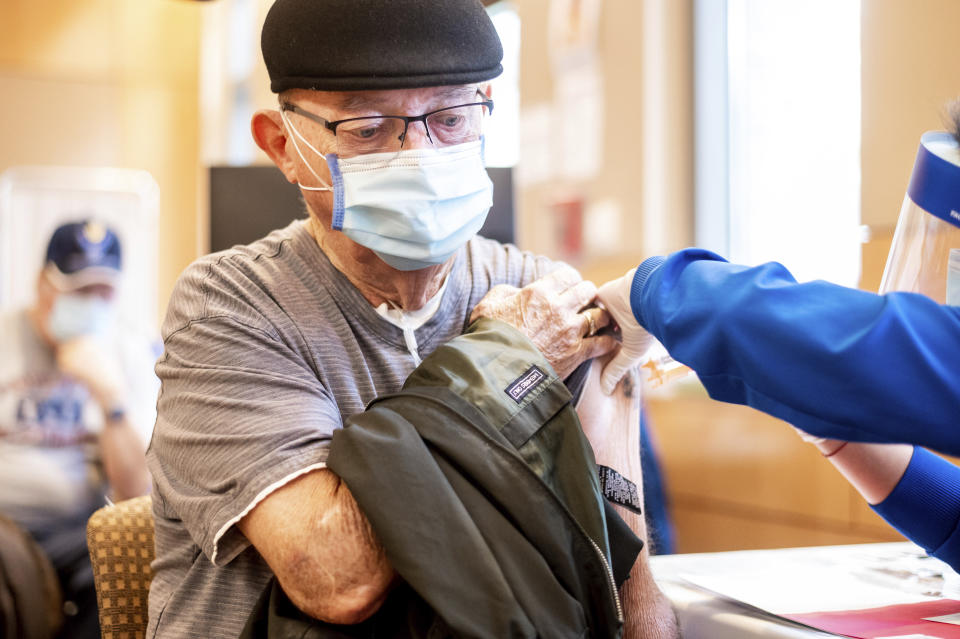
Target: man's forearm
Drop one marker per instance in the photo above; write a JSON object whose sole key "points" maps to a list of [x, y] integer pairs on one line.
{"points": [[124, 462], [121, 449], [321, 548], [612, 424]]}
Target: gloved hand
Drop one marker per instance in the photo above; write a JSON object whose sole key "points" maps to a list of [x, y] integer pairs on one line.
{"points": [[615, 296]]}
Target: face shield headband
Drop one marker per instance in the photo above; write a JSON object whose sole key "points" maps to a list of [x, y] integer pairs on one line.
{"points": [[925, 254]]}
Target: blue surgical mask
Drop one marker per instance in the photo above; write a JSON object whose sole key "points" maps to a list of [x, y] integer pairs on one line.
{"points": [[414, 208], [75, 316]]}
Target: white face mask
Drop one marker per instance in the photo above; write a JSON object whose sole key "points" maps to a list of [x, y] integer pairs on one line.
{"points": [[414, 208], [75, 316]]}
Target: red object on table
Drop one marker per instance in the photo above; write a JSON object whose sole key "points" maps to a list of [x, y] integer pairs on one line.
{"points": [[903, 619]]}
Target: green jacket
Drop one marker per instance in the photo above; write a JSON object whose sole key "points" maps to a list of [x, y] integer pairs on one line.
{"points": [[483, 490]]}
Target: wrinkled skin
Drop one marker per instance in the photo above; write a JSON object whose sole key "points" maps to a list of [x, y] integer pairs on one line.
{"points": [[555, 313]]}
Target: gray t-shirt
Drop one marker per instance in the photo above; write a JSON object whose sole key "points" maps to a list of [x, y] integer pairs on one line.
{"points": [[268, 349]]}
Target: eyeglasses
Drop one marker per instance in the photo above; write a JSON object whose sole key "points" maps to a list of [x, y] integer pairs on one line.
{"points": [[386, 133]]}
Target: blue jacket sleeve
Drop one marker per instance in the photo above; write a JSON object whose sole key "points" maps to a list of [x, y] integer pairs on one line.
{"points": [[833, 361], [925, 506]]}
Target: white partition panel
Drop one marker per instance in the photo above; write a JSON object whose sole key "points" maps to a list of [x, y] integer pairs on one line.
{"points": [[34, 200]]}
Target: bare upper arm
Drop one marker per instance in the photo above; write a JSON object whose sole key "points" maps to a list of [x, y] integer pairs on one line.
{"points": [[612, 424], [320, 546]]}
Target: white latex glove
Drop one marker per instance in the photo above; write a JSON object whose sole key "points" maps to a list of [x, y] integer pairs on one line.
{"points": [[615, 297]]}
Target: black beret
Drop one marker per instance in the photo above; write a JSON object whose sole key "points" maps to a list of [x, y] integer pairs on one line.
{"points": [[350, 45]]}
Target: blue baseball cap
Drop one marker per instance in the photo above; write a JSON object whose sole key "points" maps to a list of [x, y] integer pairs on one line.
{"points": [[82, 254]]}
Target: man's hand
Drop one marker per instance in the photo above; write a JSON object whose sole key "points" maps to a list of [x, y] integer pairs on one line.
{"points": [[121, 449], [615, 297], [88, 362], [552, 313]]}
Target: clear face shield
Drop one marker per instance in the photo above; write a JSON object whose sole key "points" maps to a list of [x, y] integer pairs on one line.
{"points": [[925, 255]]}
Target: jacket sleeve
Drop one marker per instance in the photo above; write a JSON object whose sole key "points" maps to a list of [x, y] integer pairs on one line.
{"points": [[925, 506], [834, 361]]}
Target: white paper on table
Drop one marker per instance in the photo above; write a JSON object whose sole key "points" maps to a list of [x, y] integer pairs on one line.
{"points": [[952, 619], [808, 580]]}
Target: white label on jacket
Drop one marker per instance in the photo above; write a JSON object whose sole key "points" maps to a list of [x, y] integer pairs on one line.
{"points": [[523, 385]]}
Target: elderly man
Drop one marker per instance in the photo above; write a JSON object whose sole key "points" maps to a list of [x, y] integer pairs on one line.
{"points": [[273, 346], [76, 406]]}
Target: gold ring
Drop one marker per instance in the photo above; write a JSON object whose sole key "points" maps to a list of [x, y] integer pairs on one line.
{"points": [[593, 325]]}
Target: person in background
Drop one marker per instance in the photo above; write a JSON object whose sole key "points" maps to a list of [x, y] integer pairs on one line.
{"points": [[76, 408], [867, 378]]}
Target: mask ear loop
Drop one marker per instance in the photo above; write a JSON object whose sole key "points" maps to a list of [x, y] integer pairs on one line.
{"points": [[296, 134]]}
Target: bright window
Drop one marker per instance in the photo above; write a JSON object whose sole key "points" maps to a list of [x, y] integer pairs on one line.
{"points": [[502, 146], [778, 134]]}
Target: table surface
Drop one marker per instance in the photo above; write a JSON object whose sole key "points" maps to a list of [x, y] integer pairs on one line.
{"points": [[704, 614]]}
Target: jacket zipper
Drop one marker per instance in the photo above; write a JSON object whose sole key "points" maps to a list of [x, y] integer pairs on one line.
{"points": [[610, 580]]}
